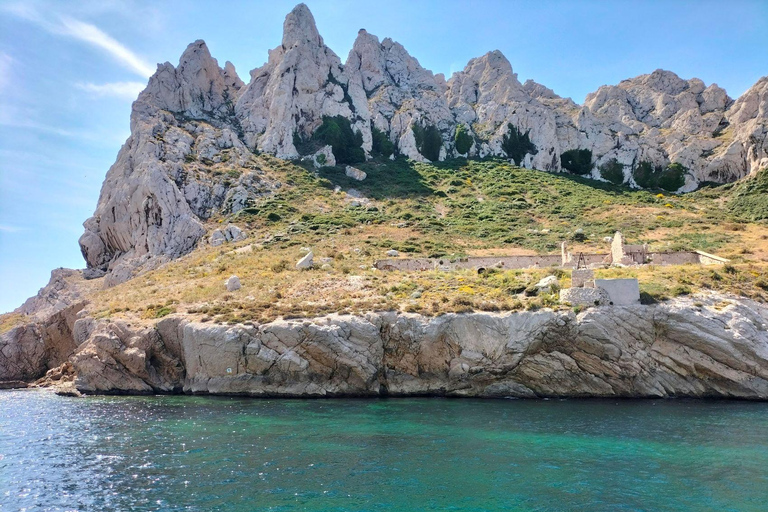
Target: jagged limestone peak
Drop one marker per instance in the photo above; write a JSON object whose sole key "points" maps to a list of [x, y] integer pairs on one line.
{"points": [[299, 27]]}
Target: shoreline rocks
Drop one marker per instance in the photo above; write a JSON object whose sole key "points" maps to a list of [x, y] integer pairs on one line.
{"points": [[702, 347]]}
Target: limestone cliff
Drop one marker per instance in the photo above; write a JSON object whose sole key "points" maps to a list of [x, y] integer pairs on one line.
{"points": [[196, 126], [707, 346]]}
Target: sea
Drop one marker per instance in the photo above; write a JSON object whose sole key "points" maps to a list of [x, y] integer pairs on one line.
{"points": [[195, 453]]}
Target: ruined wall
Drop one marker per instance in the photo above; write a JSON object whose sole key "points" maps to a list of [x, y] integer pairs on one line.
{"points": [[710, 259], [501, 262], [673, 258]]}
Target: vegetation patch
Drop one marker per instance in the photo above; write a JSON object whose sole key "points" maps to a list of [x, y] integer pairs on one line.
{"points": [[382, 146], [428, 141], [669, 178], [337, 132], [612, 171], [463, 140], [516, 144], [577, 161], [749, 199]]}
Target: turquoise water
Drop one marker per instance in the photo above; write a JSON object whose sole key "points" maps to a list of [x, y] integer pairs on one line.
{"points": [[201, 454]]}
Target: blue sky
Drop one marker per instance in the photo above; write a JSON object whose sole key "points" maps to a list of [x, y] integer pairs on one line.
{"points": [[70, 70]]}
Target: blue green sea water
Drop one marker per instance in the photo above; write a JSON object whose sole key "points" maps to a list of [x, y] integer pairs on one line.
{"points": [[184, 453]]}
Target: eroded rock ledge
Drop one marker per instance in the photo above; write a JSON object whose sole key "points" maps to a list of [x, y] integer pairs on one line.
{"points": [[704, 347]]}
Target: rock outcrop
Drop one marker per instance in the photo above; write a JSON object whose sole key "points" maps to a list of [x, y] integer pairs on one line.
{"points": [[195, 127], [302, 82], [28, 351], [707, 346]]}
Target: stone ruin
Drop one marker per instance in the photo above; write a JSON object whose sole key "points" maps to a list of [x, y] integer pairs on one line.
{"points": [[621, 254], [587, 291]]}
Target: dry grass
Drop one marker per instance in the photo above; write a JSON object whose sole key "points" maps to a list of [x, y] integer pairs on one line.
{"points": [[435, 213]]}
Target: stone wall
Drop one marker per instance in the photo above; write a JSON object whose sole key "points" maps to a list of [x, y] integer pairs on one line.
{"points": [[673, 258], [501, 262], [710, 259], [585, 297], [622, 292]]}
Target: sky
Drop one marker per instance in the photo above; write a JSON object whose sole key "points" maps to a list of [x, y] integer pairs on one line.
{"points": [[69, 72]]}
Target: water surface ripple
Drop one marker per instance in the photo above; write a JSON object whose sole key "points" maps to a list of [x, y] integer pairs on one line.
{"points": [[177, 453]]}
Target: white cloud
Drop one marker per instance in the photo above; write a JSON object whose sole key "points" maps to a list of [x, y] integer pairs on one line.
{"points": [[125, 90], [85, 32], [93, 35]]}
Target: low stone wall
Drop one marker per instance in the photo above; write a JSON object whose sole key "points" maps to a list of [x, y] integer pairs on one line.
{"points": [[673, 258], [592, 259], [622, 292], [585, 296], [545, 261], [710, 259], [501, 262]]}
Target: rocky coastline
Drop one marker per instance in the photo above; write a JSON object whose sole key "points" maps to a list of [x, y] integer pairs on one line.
{"points": [[710, 346]]}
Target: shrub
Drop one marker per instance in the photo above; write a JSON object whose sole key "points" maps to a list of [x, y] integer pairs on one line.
{"points": [[577, 161], [344, 141], [645, 174], [517, 145], [670, 178], [673, 177], [750, 197], [612, 171], [382, 146], [428, 141], [463, 140]]}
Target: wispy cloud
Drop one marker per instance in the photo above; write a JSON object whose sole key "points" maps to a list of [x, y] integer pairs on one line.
{"points": [[6, 228], [125, 90], [94, 35], [91, 34]]}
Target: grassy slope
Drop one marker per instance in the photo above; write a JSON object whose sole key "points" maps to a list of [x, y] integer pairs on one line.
{"points": [[448, 209]]}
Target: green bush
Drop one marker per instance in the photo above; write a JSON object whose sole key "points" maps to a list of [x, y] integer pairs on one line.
{"points": [[428, 141], [463, 140], [382, 146], [673, 177], [670, 178], [577, 161], [612, 171], [345, 142], [645, 174], [750, 197], [517, 145]]}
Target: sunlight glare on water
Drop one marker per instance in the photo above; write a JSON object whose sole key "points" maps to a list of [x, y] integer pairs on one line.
{"points": [[237, 454]]}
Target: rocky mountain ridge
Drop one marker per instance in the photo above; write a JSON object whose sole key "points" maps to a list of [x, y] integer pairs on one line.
{"points": [[196, 126]]}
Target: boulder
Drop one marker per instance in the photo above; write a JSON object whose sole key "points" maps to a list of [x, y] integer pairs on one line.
{"points": [[324, 157], [305, 262], [546, 284], [217, 238], [355, 173], [233, 284], [231, 233]]}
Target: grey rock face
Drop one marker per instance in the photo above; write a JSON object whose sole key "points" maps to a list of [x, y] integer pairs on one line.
{"points": [[28, 351], [194, 127], [302, 82], [712, 346], [112, 358]]}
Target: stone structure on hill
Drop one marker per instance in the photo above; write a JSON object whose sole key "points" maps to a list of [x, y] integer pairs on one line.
{"points": [[621, 255]]}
